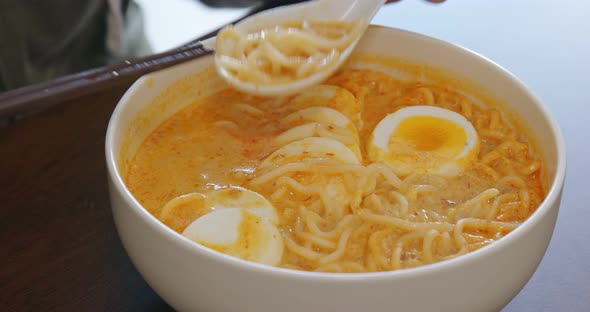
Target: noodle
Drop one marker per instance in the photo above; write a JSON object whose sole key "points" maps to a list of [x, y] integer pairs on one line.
{"points": [[336, 215], [300, 250], [284, 53], [427, 253], [404, 224], [339, 250]]}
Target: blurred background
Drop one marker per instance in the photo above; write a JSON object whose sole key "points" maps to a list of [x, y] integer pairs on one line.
{"points": [[171, 23]]}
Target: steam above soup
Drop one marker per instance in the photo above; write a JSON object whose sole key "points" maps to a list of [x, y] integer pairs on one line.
{"points": [[363, 173]]}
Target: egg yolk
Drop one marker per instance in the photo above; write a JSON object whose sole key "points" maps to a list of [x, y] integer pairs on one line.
{"points": [[431, 134]]}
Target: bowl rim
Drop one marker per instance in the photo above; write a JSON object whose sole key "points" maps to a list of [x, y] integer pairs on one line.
{"points": [[551, 199]]}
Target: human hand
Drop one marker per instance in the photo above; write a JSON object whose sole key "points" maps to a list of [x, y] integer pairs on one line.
{"points": [[432, 1]]}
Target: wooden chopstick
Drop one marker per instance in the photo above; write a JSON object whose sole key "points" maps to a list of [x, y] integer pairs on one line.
{"points": [[37, 97]]}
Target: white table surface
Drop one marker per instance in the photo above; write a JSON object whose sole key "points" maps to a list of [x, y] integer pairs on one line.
{"points": [[545, 43]]}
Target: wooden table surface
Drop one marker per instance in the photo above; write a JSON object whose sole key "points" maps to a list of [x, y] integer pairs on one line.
{"points": [[60, 249]]}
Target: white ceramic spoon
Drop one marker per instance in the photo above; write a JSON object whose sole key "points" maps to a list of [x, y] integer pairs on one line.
{"points": [[318, 10]]}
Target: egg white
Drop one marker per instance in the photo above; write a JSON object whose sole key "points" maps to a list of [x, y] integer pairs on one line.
{"points": [[333, 97], [380, 150], [311, 148], [239, 233], [232, 197]]}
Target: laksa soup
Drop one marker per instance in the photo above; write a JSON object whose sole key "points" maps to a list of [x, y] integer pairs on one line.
{"points": [[385, 166]]}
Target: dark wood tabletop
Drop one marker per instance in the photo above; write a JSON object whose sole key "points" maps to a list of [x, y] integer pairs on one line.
{"points": [[60, 249]]}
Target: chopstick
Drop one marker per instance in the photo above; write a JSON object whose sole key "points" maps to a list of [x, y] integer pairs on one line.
{"points": [[36, 97], [39, 96]]}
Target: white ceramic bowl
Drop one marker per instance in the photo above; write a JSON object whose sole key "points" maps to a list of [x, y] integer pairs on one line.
{"points": [[191, 277]]}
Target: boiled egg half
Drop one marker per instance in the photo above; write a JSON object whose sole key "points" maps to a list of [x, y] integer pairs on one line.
{"points": [[310, 148], [239, 233], [329, 96], [320, 121], [232, 220], [424, 139]]}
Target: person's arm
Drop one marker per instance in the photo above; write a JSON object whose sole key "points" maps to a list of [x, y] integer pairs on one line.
{"points": [[249, 3], [433, 1]]}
